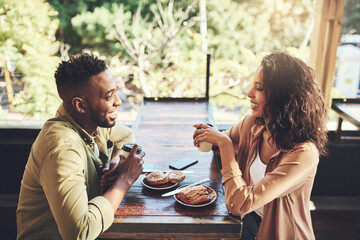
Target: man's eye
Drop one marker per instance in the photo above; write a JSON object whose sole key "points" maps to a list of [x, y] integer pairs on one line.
{"points": [[109, 97]]}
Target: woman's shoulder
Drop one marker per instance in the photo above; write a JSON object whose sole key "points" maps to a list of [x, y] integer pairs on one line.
{"points": [[243, 129], [306, 151], [247, 122], [306, 146]]}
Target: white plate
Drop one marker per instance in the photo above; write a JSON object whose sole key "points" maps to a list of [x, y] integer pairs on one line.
{"points": [[212, 196], [164, 186]]}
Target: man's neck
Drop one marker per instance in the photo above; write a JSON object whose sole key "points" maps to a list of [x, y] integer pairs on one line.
{"points": [[81, 120]]}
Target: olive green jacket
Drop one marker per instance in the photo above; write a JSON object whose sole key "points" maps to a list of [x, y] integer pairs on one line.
{"points": [[60, 194]]}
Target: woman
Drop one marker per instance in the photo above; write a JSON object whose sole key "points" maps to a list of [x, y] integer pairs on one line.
{"points": [[269, 183]]}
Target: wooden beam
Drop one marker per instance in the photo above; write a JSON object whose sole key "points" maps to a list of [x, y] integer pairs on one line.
{"points": [[324, 41]]}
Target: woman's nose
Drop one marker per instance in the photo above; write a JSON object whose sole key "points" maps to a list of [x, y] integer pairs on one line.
{"points": [[250, 93]]}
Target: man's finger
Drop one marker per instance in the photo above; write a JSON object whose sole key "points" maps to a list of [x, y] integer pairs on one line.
{"points": [[134, 149], [106, 167]]}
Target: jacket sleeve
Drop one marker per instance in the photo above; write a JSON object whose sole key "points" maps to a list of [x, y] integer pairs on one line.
{"points": [[120, 134], [234, 132], [295, 168], [62, 177]]}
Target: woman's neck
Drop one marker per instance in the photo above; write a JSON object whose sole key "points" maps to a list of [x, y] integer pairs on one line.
{"points": [[267, 147]]}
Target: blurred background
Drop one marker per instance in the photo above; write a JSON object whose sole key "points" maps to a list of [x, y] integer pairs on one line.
{"points": [[157, 48]]}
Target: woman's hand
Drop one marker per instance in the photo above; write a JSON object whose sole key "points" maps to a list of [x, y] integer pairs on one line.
{"points": [[219, 140], [210, 135]]}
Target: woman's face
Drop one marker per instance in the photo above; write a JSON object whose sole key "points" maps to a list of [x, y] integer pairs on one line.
{"points": [[257, 94]]}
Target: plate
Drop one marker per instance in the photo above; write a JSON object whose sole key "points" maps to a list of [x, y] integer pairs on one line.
{"points": [[164, 186], [213, 198]]}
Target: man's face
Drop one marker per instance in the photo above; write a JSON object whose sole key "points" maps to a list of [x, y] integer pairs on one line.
{"points": [[102, 100]]}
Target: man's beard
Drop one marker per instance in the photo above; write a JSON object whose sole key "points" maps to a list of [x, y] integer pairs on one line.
{"points": [[100, 121]]}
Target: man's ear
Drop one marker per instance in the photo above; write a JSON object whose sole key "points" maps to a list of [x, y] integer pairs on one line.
{"points": [[79, 104]]}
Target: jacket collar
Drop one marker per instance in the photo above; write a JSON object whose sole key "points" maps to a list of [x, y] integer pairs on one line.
{"points": [[88, 139], [256, 132]]}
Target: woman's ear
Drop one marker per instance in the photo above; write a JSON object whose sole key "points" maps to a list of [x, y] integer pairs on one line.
{"points": [[79, 104]]}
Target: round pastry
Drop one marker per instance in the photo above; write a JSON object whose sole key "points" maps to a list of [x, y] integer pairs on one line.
{"points": [[195, 195], [176, 176], [156, 178]]}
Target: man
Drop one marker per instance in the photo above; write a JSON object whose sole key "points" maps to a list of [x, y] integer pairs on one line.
{"points": [[75, 155]]}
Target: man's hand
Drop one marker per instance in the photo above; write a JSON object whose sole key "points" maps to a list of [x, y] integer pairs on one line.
{"points": [[110, 172], [131, 167], [128, 170]]}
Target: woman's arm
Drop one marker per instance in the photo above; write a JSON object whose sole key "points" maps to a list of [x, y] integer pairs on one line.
{"points": [[297, 167]]}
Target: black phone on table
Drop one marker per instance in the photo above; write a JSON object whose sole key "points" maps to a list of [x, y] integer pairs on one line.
{"points": [[183, 163]]}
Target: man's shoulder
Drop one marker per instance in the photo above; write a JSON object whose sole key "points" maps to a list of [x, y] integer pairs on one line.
{"points": [[54, 138], [57, 131]]}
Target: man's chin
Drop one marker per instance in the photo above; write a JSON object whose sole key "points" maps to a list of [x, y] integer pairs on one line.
{"points": [[107, 124], [110, 124]]}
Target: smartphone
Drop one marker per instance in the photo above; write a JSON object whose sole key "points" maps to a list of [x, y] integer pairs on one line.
{"points": [[183, 163]]}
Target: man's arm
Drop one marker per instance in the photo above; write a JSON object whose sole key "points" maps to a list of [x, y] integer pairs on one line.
{"points": [[120, 134], [62, 178], [129, 170]]}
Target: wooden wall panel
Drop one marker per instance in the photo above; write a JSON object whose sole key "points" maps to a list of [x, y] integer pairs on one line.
{"points": [[324, 41]]}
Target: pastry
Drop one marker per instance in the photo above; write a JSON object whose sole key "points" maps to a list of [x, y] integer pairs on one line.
{"points": [[195, 195], [156, 178], [176, 176]]}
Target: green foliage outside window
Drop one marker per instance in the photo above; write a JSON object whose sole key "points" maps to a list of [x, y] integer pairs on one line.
{"points": [[153, 48], [27, 39]]}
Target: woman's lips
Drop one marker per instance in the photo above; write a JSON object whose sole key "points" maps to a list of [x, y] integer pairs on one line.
{"points": [[254, 105]]}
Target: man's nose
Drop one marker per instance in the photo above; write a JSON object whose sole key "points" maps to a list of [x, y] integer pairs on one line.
{"points": [[118, 101]]}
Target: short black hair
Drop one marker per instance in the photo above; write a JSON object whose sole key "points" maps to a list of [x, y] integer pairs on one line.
{"points": [[78, 70]]}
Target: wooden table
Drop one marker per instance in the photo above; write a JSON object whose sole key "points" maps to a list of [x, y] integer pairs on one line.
{"points": [[164, 131]]}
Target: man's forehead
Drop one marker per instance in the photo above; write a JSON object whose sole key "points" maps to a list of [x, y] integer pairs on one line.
{"points": [[104, 78], [103, 82]]}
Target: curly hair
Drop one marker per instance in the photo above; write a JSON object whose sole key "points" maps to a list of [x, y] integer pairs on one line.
{"points": [[77, 71], [295, 111]]}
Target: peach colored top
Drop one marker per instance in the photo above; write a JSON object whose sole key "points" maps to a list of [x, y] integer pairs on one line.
{"points": [[284, 191]]}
